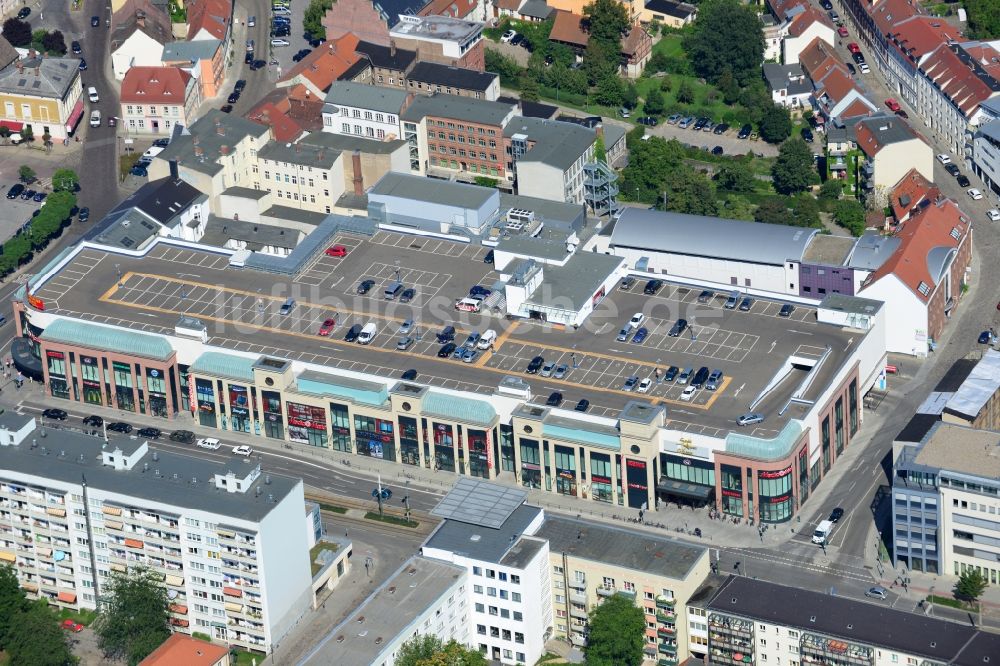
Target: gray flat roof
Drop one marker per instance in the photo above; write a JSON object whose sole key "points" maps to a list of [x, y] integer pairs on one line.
{"points": [[479, 502], [245, 192], [567, 214], [344, 142], [468, 109], [978, 388], [706, 236], [171, 478], [853, 304], [955, 448], [557, 143], [629, 549], [479, 542], [577, 281], [528, 246], [857, 621], [198, 49], [304, 154], [436, 28], [365, 96], [256, 235], [830, 250], [295, 215], [362, 638], [432, 190]]}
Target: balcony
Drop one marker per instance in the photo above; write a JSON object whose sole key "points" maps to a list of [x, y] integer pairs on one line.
{"points": [[666, 632], [578, 598], [666, 661], [578, 584], [665, 602], [667, 648], [578, 612], [666, 618], [605, 591]]}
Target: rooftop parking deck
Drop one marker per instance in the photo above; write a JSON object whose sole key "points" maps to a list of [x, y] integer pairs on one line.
{"points": [[241, 310]]}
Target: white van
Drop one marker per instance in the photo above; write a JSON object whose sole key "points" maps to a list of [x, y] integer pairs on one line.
{"points": [[92, 94], [95, 118], [469, 305], [489, 337], [210, 443], [367, 333], [822, 532]]}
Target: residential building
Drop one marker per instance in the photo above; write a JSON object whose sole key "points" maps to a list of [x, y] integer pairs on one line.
{"points": [[986, 153], [166, 207], [358, 18], [592, 561], [788, 85], [910, 194], [533, 11], [329, 62], [759, 620], [470, 10], [365, 162], [490, 531], [892, 148], [441, 39], [363, 110], [139, 29], [426, 78], [182, 650], [955, 79], [670, 13], [459, 136], [43, 94], [300, 175], [203, 59], [225, 538], [210, 19], [570, 30], [921, 282], [290, 111], [423, 597], [216, 152], [154, 99], [389, 65], [545, 158], [798, 25], [906, 44]]}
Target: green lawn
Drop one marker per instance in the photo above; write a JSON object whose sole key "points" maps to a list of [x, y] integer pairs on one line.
{"points": [[316, 550], [244, 658], [82, 616], [669, 45], [707, 100]]}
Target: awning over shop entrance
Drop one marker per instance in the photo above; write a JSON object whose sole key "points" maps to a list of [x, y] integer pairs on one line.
{"points": [[12, 125], [24, 360], [74, 116], [690, 491]]}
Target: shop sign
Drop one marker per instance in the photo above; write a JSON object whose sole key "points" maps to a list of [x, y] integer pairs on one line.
{"points": [[600, 479], [771, 474]]}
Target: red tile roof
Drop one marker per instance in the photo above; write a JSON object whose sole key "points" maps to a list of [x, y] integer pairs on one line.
{"points": [[155, 85], [453, 8], [801, 22], [855, 109], [909, 192], [568, 28], [956, 80], [211, 15], [289, 112], [509, 5], [889, 13], [836, 85], [924, 241], [818, 59], [919, 35], [780, 8], [327, 62], [182, 650]]}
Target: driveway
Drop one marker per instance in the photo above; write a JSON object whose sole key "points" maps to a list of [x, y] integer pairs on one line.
{"points": [[731, 145]]}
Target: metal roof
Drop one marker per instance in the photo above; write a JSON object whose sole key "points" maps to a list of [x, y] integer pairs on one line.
{"points": [[440, 105], [556, 143], [759, 448], [478, 502], [574, 433], [456, 408], [978, 388], [431, 190], [219, 364], [435, 73], [193, 51], [355, 390], [95, 336], [712, 237], [41, 77], [872, 250], [364, 96]]}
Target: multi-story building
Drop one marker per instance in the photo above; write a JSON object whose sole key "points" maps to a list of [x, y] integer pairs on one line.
{"points": [[43, 94], [226, 539], [426, 78], [389, 65], [487, 530], [742, 620], [545, 158], [154, 99], [986, 146], [139, 29], [203, 59], [892, 148], [452, 135], [449, 41], [364, 110], [591, 562], [300, 175], [424, 597]]}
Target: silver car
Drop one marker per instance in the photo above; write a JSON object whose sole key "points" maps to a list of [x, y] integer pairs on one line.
{"points": [[469, 356], [750, 419], [548, 369], [560, 371], [406, 327], [877, 592], [404, 343]]}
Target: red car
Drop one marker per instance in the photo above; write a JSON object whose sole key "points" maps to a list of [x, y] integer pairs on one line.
{"points": [[853, 47], [336, 251], [70, 625], [893, 105], [842, 31], [327, 327]]}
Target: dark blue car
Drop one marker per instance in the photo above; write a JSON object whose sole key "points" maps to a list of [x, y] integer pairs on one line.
{"points": [[984, 338], [640, 335]]}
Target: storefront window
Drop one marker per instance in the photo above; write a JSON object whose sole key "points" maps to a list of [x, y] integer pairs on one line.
{"points": [[732, 490], [804, 473], [56, 362], [274, 422], [565, 470], [678, 468], [205, 395], [374, 437], [124, 394], [91, 376], [826, 444], [774, 494], [444, 443], [507, 461], [479, 453], [852, 406], [340, 422], [306, 424], [156, 388], [638, 488], [838, 430], [239, 408], [409, 440], [531, 469], [600, 477], [185, 386]]}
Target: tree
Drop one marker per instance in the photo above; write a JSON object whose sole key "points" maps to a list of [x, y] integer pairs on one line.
{"points": [[735, 176], [805, 211], [600, 61], [506, 67], [726, 34], [831, 190], [610, 91], [17, 32], [607, 21], [530, 91], [133, 620], [427, 650], [26, 174], [64, 179], [53, 42], [36, 638], [775, 124], [728, 87], [655, 105], [12, 601], [689, 191], [984, 18], [793, 169], [617, 633], [773, 210], [485, 181], [971, 585], [685, 92], [600, 151], [631, 97], [312, 20], [851, 215]]}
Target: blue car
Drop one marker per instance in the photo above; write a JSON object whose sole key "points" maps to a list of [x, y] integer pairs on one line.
{"points": [[640, 335], [985, 338]]}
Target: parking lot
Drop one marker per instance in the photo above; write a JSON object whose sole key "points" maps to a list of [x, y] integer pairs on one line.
{"points": [[242, 311]]}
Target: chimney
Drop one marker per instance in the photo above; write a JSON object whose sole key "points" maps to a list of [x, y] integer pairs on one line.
{"points": [[236, 216], [600, 131], [224, 149], [392, 48], [140, 19], [219, 128], [173, 170], [20, 66], [359, 179], [199, 151]]}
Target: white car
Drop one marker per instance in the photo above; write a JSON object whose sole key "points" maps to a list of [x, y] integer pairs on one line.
{"points": [[507, 36], [943, 159], [636, 319], [209, 443], [993, 214], [688, 393], [244, 451], [975, 194], [864, 68], [280, 42], [644, 385]]}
